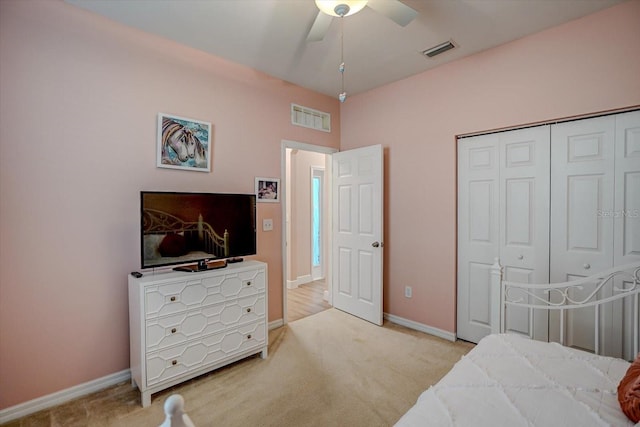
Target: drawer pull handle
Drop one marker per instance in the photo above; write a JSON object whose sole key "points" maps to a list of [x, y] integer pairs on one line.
{"points": [[173, 299], [174, 362], [249, 310], [173, 330], [249, 283], [249, 336]]}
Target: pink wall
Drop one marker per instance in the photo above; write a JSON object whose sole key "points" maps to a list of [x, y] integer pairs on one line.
{"points": [[588, 65], [80, 96]]}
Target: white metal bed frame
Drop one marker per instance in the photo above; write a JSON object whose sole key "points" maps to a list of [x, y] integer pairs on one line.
{"points": [[630, 273], [159, 222]]}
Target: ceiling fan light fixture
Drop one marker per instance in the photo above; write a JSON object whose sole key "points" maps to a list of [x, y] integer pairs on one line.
{"points": [[336, 7]]}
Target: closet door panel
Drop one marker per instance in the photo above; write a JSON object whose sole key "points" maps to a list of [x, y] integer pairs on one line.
{"points": [[628, 219], [582, 179], [478, 215], [524, 218], [582, 188], [584, 230], [520, 321], [626, 214]]}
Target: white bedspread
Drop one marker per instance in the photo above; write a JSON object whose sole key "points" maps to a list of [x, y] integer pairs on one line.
{"points": [[507, 380]]}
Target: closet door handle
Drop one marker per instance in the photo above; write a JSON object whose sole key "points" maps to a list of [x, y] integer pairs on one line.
{"points": [[586, 266], [520, 256], [375, 244]]}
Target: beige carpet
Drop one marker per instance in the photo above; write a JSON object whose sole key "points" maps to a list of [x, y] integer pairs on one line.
{"points": [[328, 369]]}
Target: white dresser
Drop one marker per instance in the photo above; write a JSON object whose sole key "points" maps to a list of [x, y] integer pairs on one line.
{"points": [[182, 325]]}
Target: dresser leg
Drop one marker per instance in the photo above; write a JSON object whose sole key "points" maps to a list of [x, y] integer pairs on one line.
{"points": [[145, 396], [263, 354]]}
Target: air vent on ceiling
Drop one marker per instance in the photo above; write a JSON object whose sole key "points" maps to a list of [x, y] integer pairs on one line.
{"points": [[437, 50], [310, 118]]}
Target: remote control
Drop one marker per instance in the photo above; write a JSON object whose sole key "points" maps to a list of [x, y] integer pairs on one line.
{"points": [[136, 274]]}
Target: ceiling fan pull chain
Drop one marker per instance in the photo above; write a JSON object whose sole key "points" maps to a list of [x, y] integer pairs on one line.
{"points": [[343, 95]]}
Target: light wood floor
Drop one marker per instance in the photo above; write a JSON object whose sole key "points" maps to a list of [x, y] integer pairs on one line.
{"points": [[306, 300]]}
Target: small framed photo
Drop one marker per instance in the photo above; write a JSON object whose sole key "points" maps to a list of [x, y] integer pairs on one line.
{"points": [[268, 190], [183, 143]]}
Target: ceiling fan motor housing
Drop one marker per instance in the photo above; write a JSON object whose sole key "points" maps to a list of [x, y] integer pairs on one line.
{"points": [[342, 10]]}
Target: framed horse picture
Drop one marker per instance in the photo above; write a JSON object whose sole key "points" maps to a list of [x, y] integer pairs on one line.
{"points": [[183, 143]]}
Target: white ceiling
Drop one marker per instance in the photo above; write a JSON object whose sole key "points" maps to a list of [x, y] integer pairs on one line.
{"points": [[270, 35]]}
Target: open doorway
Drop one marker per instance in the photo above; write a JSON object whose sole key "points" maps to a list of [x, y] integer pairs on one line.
{"points": [[307, 229]]}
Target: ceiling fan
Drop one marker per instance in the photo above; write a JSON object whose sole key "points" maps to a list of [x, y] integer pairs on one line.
{"points": [[398, 12]]}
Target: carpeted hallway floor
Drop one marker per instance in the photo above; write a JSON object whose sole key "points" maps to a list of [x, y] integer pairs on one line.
{"points": [[329, 369]]}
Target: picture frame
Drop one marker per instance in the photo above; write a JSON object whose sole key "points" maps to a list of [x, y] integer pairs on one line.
{"points": [[183, 143], [267, 190]]}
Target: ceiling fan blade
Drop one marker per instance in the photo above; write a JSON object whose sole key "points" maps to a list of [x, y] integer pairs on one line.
{"points": [[319, 28], [398, 12]]}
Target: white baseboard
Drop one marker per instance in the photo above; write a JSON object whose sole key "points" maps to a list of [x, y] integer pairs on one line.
{"points": [[62, 396], [276, 324], [420, 327], [293, 284]]}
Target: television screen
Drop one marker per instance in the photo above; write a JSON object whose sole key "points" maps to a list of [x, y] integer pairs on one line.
{"points": [[180, 228]]}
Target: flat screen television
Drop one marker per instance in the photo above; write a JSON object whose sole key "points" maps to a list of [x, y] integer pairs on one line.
{"points": [[181, 228]]}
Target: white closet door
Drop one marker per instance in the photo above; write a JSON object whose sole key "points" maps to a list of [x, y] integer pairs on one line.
{"points": [[626, 214], [503, 212], [478, 232], [582, 189], [524, 220]]}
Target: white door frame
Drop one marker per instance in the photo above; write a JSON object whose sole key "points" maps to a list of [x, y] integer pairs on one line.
{"points": [[294, 145]]}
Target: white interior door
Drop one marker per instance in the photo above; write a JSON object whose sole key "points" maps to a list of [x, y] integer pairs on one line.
{"points": [[357, 232], [582, 193]]}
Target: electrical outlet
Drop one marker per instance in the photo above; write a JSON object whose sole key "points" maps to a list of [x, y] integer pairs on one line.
{"points": [[408, 292], [267, 224]]}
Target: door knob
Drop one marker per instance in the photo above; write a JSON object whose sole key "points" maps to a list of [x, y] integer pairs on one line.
{"points": [[375, 244]]}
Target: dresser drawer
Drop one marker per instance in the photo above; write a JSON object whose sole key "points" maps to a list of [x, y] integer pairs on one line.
{"points": [[172, 330], [243, 284], [177, 297], [175, 361]]}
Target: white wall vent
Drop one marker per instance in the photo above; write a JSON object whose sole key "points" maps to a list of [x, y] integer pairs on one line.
{"points": [[310, 118]]}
